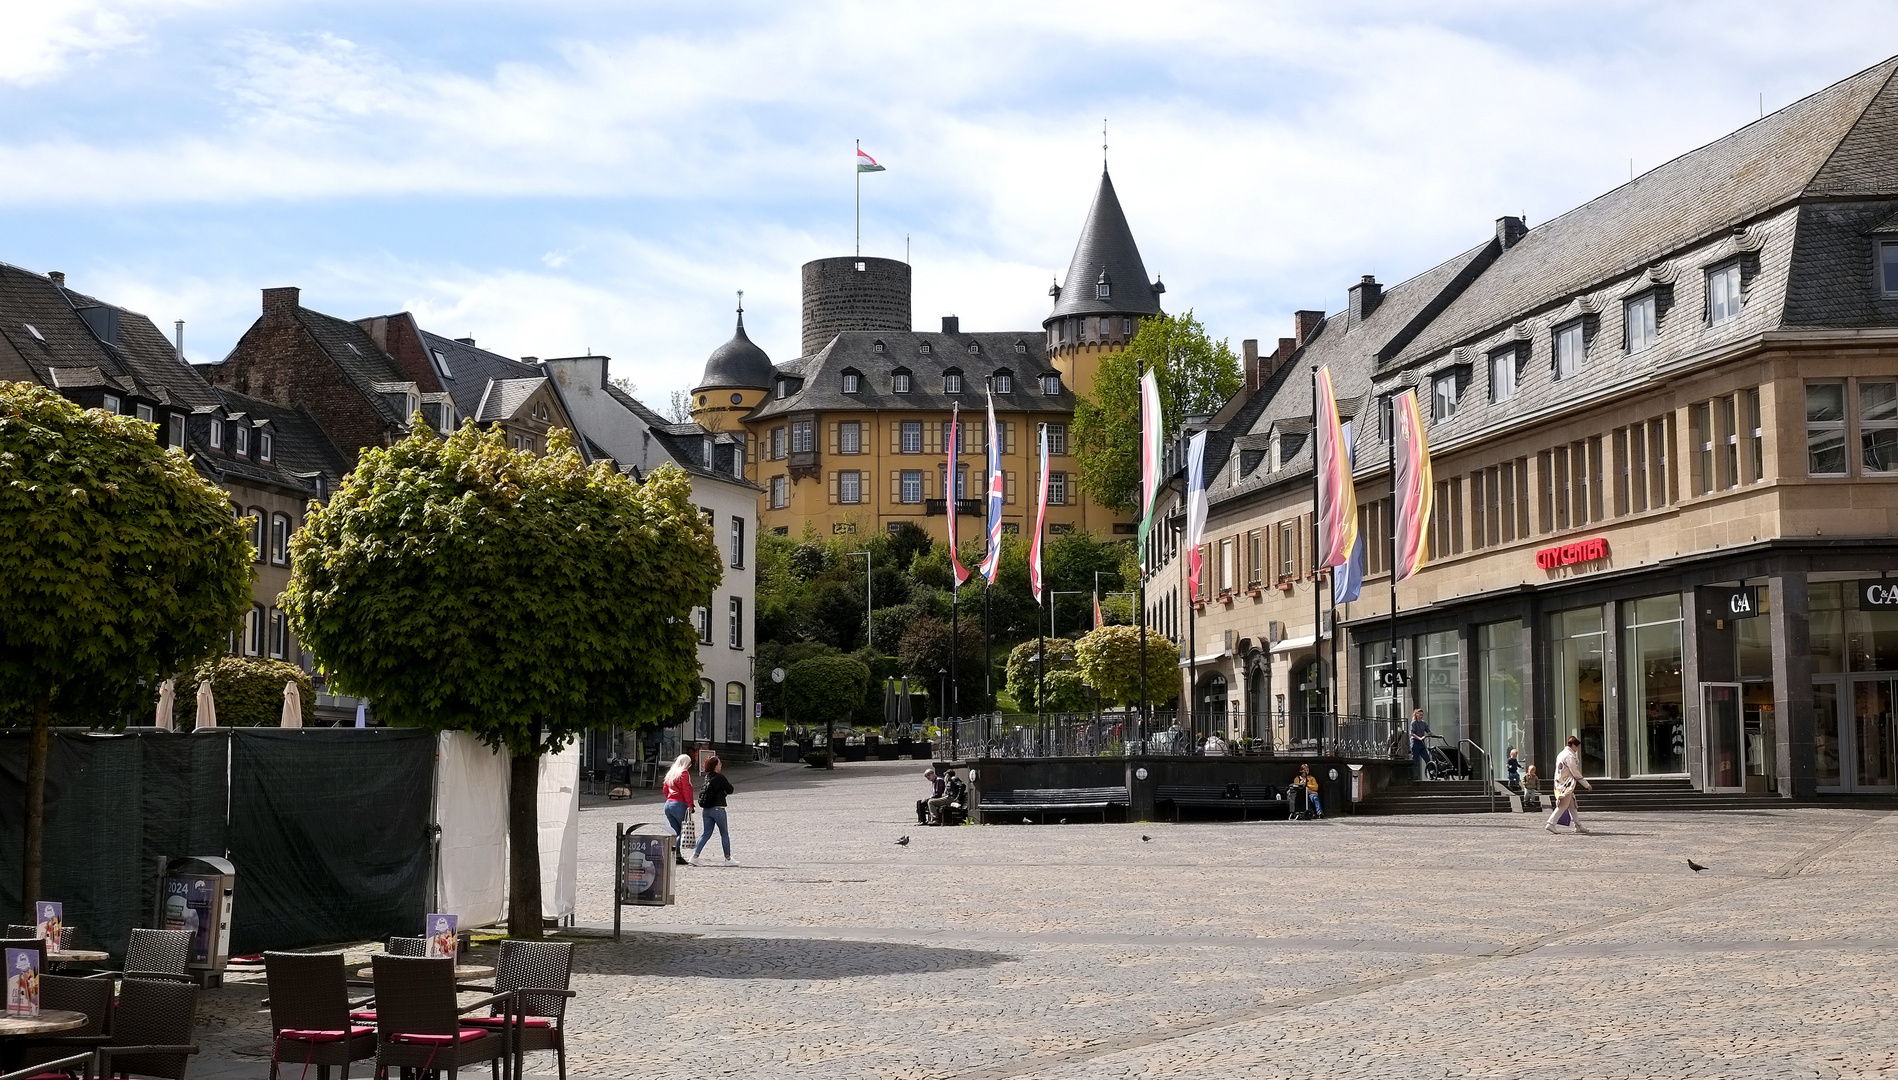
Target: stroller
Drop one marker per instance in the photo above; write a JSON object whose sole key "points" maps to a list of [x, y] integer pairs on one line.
{"points": [[1442, 761], [1299, 800]]}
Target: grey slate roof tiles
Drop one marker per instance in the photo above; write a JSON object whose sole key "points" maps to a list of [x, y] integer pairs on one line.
{"points": [[1106, 246], [927, 357]]}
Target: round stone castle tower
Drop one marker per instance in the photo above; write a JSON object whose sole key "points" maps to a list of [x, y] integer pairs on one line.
{"points": [[853, 292]]}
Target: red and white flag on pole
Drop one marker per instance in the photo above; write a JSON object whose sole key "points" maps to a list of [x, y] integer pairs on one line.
{"points": [[950, 492], [1041, 520], [1098, 621], [1195, 509]]}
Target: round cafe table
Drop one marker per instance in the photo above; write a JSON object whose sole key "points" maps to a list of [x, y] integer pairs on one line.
{"points": [[74, 956], [463, 972], [48, 1022]]}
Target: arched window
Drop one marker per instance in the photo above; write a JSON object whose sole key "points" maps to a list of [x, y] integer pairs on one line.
{"points": [[702, 729], [280, 539], [257, 518]]}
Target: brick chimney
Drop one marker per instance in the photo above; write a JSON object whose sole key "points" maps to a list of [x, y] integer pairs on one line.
{"points": [[1304, 323], [1255, 376], [1509, 230], [951, 324], [58, 277], [1287, 346], [1365, 296], [282, 303]]}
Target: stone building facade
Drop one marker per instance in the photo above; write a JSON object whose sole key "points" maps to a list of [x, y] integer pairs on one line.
{"points": [[1662, 428]]}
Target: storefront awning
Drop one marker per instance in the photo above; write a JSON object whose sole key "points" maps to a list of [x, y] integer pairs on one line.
{"points": [[1295, 644], [1207, 659]]}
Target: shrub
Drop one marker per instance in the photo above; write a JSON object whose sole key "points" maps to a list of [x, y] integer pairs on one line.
{"points": [[248, 690]]}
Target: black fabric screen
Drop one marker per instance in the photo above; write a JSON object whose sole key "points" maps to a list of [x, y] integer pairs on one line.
{"points": [[329, 833]]}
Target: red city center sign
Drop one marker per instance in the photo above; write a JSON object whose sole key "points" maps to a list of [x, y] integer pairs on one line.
{"points": [[1554, 558]]}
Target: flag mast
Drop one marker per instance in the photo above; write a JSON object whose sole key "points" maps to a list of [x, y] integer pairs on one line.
{"points": [[859, 174]]}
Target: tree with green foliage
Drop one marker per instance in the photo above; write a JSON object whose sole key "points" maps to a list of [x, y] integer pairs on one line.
{"points": [[1196, 376], [1067, 692], [123, 565], [925, 654], [1109, 660], [825, 688], [524, 599], [1025, 663], [249, 689]]}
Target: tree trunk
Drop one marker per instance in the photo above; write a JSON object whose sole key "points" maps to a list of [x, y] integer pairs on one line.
{"points": [[523, 834], [37, 750]]}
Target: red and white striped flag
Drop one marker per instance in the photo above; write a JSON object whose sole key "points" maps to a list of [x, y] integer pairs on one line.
{"points": [[1041, 520], [950, 493]]}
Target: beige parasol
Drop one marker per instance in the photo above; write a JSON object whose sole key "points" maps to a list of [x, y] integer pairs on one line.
{"points": [[292, 704], [207, 708], [167, 700]]}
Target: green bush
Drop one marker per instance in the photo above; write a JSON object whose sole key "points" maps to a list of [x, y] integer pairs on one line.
{"points": [[248, 691]]}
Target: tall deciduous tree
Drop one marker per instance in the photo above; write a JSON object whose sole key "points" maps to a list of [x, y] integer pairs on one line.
{"points": [[1196, 376], [122, 565], [1025, 664], [461, 584], [1109, 661]]}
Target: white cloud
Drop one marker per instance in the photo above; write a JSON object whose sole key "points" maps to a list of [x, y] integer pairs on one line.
{"points": [[42, 37]]}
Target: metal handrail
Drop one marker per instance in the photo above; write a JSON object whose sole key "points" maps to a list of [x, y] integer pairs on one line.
{"points": [[1489, 770]]}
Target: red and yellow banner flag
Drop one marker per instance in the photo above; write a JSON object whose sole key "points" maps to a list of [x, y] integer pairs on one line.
{"points": [[1337, 497], [1412, 484], [950, 475]]}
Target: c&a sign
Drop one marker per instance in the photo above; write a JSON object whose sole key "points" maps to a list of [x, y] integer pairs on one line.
{"points": [[1581, 551], [1879, 594]]}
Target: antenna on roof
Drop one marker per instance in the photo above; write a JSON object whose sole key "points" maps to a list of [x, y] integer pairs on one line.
{"points": [[741, 301], [1103, 144]]}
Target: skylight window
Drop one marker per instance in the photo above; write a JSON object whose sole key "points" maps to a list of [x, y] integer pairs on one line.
{"points": [[441, 363], [35, 331]]}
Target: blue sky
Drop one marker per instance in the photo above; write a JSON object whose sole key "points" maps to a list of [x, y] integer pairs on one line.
{"points": [[559, 177]]}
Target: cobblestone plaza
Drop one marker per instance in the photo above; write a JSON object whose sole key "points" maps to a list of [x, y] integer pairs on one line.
{"points": [[1376, 947]]}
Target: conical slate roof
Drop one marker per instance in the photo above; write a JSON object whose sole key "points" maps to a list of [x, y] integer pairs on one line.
{"points": [[1106, 248], [738, 364]]}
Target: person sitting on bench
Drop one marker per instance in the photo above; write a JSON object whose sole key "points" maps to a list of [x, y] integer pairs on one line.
{"points": [[1309, 783], [941, 798], [924, 805]]}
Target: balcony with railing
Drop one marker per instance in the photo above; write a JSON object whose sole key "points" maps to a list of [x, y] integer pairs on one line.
{"points": [[964, 507]]}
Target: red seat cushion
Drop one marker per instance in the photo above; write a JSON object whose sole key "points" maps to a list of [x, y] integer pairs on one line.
{"points": [[467, 1035], [498, 1021], [367, 1017], [324, 1036]]}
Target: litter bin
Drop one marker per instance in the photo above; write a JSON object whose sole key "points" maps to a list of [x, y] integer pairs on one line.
{"points": [[195, 894], [643, 860]]}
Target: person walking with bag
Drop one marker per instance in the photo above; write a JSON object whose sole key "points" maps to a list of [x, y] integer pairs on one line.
{"points": [[678, 793], [1568, 773], [712, 801]]}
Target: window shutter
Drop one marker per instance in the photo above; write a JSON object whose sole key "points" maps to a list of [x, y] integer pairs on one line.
{"points": [[974, 430], [929, 484], [1009, 478], [932, 438], [833, 489], [1008, 442], [833, 443], [896, 437]]}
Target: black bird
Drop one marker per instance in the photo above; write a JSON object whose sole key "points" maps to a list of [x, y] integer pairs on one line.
{"points": [[902, 841], [1145, 838], [1694, 866]]}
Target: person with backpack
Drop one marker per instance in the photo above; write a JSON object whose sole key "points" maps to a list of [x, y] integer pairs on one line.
{"points": [[712, 801]]}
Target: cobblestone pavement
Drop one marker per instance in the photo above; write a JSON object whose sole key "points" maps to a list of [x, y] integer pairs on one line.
{"points": [[1374, 947]]}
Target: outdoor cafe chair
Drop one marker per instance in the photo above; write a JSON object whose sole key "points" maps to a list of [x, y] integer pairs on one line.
{"points": [[15, 930], [310, 1018], [420, 1026], [79, 1065], [90, 996], [406, 946], [151, 1032], [154, 954], [535, 975]]}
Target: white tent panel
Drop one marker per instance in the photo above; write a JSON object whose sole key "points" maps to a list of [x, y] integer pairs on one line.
{"points": [[471, 808], [559, 831]]}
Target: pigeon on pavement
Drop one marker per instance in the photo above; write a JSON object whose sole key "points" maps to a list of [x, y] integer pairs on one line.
{"points": [[902, 841], [1027, 821], [1144, 838], [1694, 866], [1064, 821]]}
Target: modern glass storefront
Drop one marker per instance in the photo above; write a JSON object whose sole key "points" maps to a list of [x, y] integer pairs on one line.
{"points": [[1854, 691], [1654, 731], [1502, 660], [1577, 668], [1437, 691]]}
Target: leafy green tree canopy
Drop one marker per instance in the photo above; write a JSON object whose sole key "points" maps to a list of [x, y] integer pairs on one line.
{"points": [[122, 565], [823, 689], [1023, 666], [1109, 660], [1197, 376], [248, 690]]}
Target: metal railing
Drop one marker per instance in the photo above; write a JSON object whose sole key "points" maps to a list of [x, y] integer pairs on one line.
{"points": [[1489, 770], [1117, 734]]}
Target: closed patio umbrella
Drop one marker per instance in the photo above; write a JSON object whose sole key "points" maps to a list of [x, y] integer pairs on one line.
{"points": [[292, 704], [167, 700], [207, 708]]}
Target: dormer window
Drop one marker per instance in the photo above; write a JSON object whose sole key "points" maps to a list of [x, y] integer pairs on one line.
{"points": [[1723, 293], [144, 412], [780, 390], [878, 346], [1570, 350], [1004, 382], [853, 382], [899, 382], [217, 434], [1642, 323], [110, 403], [242, 445], [974, 349], [265, 445], [1021, 346], [1103, 289], [925, 346], [1446, 392], [1050, 385], [952, 382], [176, 424], [441, 363]]}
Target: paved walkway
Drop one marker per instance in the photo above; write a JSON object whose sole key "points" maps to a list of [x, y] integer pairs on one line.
{"points": [[1376, 947]]}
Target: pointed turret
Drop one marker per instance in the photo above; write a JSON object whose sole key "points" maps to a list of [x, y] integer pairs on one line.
{"points": [[1106, 275]]}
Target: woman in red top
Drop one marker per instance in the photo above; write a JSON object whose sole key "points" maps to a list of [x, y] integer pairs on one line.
{"points": [[678, 792]]}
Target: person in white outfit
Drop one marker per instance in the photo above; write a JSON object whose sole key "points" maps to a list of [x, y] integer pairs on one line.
{"points": [[1568, 773]]}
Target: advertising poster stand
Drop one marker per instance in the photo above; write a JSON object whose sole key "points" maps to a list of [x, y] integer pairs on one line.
{"points": [[642, 867]]}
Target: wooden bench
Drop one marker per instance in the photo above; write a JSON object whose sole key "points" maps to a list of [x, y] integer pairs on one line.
{"points": [[1241, 797], [1043, 801]]}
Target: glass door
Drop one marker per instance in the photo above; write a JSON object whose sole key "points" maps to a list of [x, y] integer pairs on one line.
{"points": [[1726, 748], [1828, 756], [1871, 736]]}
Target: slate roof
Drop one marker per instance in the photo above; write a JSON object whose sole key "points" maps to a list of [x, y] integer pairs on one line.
{"points": [[360, 359], [471, 369], [739, 364], [1840, 141], [927, 357], [140, 361], [683, 443], [301, 447], [504, 397], [1106, 246]]}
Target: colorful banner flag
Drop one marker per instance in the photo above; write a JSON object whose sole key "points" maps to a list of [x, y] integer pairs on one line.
{"points": [[1337, 507], [1150, 428], [1098, 621], [997, 488], [1195, 509], [1413, 486], [950, 494], [1349, 578], [866, 163], [1041, 520]]}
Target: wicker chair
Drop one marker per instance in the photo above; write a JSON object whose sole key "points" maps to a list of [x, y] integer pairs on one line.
{"points": [[406, 946], [151, 1032], [154, 954], [15, 930], [90, 996], [535, 974], [418, 1023], [75, 1064], [309, 1014]]}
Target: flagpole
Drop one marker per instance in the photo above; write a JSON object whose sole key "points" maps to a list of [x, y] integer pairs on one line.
{"points": [[955, 647], [859, 172], [1192, 655], [1140, 426], [1317, 602], [1392, 431]]}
